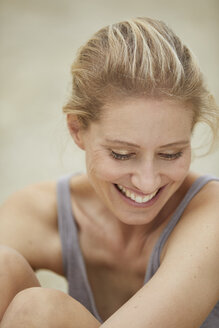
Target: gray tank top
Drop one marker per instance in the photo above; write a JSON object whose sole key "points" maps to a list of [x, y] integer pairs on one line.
{"points": [[73, 262]]}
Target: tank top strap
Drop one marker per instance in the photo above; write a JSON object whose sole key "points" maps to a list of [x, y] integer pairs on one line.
{"points": [[154, 261], [73, 262], [65, 219]]}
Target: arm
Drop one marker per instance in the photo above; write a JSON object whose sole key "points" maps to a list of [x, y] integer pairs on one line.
{"points": [[185, 288], [28, 223]]}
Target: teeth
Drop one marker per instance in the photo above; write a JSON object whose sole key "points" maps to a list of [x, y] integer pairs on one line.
{"points": [[136, 198]]}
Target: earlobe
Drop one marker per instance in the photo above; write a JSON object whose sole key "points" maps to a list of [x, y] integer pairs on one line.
{"points": [[75, 130]]}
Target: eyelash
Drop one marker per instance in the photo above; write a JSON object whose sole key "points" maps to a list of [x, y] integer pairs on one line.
{"points": [[171, 156], [168, 157], [120, 157]]}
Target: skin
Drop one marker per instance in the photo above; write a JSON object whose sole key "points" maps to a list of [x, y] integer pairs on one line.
{"points": [[150, 125], [127, 232]]}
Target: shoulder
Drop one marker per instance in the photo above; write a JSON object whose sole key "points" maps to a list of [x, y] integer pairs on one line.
{"points": [[204, 207], [28, 223], [202, 210], [196, 236], [207, 197], [37, 200]]}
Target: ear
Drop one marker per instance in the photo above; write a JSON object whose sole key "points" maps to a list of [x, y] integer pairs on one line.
{"points": [[75, 130]]}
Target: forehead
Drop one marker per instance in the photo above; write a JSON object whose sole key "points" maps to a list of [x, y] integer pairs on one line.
{"points": [[149, 109], [145, 119]]}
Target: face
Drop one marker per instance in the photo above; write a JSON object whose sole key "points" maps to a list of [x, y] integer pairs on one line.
{"points": [[138, 155]]}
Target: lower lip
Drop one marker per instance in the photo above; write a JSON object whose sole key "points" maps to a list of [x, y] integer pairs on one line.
{"points": [[133, 203]]}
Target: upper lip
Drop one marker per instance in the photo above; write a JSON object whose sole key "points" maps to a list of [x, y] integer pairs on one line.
{"points": [[139, 192]]}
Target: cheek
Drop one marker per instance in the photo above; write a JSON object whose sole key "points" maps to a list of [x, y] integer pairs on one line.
{"points": [[102, 166], [179, 169]]}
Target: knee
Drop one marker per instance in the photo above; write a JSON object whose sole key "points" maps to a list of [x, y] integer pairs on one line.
{"points": [[34, 307], [33, 301], [42, 300]]}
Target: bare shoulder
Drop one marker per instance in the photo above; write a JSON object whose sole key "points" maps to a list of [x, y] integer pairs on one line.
{"points": [[35, 202], [196, 236], [28, 223], [201, 217], [203, 209], [207, 196]]}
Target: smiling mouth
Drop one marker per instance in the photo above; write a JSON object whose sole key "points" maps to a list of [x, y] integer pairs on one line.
{"points": [[135, 197]]}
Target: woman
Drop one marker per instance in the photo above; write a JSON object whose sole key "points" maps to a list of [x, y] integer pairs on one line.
{"points": [[137, 236]]}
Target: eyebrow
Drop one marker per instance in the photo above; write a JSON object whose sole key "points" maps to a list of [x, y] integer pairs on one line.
{"points": [[125, 143], [177, 143]]}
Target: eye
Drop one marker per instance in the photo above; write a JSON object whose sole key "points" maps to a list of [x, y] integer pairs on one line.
{"points": [[170, 157], [121, 157]]}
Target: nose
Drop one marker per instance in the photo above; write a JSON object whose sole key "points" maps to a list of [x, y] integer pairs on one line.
{"points": [[146, 177]]}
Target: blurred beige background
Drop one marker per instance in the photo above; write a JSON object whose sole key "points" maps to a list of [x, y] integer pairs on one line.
{"points": [[38, 42]]}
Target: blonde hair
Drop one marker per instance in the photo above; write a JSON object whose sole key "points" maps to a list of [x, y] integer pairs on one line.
{"points": [[138, 57]]}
